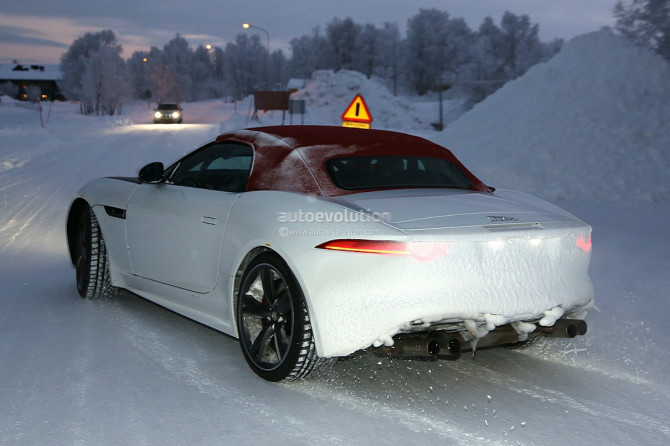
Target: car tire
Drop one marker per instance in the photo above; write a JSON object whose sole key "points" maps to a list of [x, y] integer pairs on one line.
{"points": [[273, 324], [92, 270]]}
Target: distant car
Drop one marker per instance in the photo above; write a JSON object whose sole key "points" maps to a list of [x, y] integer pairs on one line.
{"points": [[168, 113], [310, 243]]}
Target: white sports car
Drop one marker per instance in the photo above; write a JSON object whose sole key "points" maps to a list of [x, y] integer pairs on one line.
{"points": [[309, 243]]}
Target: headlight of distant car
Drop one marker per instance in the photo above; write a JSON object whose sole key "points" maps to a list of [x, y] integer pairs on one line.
{"points": [[158, 115], [175, 115]]}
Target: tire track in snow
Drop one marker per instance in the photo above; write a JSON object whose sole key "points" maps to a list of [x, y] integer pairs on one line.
{"points": [[560, 398], [420, 423], [153, 343]]}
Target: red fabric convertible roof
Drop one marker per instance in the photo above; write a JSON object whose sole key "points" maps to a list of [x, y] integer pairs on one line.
{"points": [[292, 158]]}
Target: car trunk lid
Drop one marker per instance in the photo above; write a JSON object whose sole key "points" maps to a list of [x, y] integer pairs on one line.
{"points": [[434, 209]]}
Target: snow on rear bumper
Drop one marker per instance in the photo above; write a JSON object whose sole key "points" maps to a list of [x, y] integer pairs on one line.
{"points": [[360, 300]]}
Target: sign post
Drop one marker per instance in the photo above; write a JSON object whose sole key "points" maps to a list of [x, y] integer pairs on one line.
{"points": [[357, 114]]}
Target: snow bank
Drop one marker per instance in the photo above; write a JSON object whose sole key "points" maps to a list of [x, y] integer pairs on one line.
{"points": [[592, 122], [329, 94]]}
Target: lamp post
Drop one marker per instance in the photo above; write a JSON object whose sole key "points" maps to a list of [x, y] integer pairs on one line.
{"points": [[267, 60]]}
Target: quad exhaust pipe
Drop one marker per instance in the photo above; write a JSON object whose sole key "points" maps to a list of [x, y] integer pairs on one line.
{"points": [[427, 346], [565, 328], [449, 346]]}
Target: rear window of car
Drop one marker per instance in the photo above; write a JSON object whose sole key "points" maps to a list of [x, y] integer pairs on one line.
{"points": [[396, 172]]}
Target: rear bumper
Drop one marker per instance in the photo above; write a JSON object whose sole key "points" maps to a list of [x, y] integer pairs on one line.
{"points": [[360, 300]]}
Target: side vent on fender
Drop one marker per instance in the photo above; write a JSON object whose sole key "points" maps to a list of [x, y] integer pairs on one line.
{"points": [[115, 212]]}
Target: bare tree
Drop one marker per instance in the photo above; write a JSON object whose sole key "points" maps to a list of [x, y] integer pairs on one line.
{"points": [[342, 35], [244, 66], [104, 84], [426, 49], [76, 61], [647, 23]]}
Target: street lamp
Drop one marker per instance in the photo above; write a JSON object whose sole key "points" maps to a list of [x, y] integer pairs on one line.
{"points": [[267, 60]]}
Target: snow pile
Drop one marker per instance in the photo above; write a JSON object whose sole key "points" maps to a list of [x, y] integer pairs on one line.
{"points": [[590, 123], [329, 94]]}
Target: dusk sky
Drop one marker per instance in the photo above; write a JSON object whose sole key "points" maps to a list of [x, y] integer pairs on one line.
{"points": [[40, 31]]}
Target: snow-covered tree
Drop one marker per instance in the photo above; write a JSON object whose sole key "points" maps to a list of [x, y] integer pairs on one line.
{"points": [[521, 47], [389, 51], [366, 50], [438, 50], [501, 53], [342, 35], [426, 56], [485, 72], [245, 62], [104, 84], [203, 85], [647, 23], [278, 75], [76, 61], [177, 73], [459, 39], [139, 75], [310, 53], [178, 65]]}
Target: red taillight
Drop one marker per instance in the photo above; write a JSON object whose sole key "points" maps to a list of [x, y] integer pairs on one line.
{"points": [[584, 243], [387, 247], [429, 251], [421, 251]]}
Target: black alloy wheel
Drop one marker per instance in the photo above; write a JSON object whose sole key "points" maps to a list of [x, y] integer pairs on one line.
{"points": [[273, 322]]}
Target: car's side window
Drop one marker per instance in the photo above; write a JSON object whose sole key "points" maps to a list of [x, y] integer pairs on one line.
{"points": [[217, 166]]}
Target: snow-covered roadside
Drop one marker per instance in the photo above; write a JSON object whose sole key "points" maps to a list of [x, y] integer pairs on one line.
{"points": [[591, 123]]}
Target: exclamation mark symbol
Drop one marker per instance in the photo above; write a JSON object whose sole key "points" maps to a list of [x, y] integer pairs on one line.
{"points": [[358, 108]]}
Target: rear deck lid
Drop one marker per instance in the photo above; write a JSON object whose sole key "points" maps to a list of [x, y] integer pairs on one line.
{"points": [[414, 209]]}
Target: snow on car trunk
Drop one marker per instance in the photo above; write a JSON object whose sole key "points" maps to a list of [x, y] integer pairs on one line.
{"points": [[426, 209], [522, 276]]}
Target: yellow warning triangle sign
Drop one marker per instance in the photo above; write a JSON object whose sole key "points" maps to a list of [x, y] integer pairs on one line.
{"points": [[357, 111]]}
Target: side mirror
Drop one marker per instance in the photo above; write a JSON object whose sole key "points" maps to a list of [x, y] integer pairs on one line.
{"points": [[151, 173]]}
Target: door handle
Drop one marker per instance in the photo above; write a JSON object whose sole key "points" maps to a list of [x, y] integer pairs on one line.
{"points": [[208, 220]]}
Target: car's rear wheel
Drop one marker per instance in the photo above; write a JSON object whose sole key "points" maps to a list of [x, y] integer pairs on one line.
{"points": [[273, 323], [92, 271]]}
